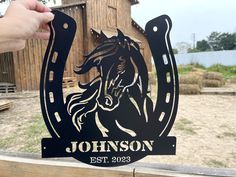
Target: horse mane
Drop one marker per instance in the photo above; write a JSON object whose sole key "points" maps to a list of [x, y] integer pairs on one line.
{"points": [[109, 47], [81, 104]]}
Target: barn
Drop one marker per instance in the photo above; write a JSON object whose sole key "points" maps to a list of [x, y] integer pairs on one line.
{"points": [[21, 70]]}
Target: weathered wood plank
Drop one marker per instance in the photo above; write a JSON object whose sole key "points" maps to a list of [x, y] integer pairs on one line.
{"points": [[218, 91], [7, 68], [19, 167], [5, 104], [24, 165], [17, 70]]}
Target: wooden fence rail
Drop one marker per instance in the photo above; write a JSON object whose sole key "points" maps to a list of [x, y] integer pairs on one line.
{"points": [[12, 166]]}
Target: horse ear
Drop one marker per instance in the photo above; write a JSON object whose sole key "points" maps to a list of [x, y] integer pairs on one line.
{"points": [[120, 34], [103, 37]]}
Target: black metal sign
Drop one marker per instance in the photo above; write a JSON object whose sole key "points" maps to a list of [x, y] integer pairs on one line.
{"points": [[111, 120]]}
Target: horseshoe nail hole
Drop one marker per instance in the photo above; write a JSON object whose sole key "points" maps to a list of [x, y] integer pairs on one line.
{"points": [[165, 59], [162, 116], [51, 97], [167, 97], [58, 118], [54, 57], [155, 29], [65, 25], [51, 76], [168, 79]]}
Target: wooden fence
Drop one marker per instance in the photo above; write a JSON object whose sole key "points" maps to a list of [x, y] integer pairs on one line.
{"points": [[14, 167], [7, 68], [26, 166]]}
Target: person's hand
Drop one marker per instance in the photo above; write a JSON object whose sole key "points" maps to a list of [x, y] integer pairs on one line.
{"points": [[26, 17], [22, 21]]}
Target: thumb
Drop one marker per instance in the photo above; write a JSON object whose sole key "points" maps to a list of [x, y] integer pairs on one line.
{"points": [[46, 17]]}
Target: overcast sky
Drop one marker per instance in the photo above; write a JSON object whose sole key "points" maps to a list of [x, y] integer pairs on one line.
{"points": [[189, 16]]}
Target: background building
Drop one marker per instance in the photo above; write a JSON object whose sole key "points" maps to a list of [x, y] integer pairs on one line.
{"points": [[23, 68]]}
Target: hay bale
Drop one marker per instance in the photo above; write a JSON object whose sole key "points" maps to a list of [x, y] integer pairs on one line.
{"points": [[191, 79], [189, 89], [214, 76], [198, 73], [198, 70], [212, 83], [213, 79], [233, 80]]}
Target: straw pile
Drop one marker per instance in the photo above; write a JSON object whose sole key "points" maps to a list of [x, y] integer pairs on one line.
{"points": [[233, 80], [199, 72], [191, 79], [213, 79], [189, 89], [190, 83]]}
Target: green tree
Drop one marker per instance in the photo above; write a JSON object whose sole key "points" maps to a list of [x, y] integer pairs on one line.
{"points": [[222, 41], [203, 45], [214, 41], [193, 50], [175, 51], [227, 41]]}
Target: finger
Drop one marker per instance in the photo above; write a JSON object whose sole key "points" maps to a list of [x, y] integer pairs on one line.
{"points": [[40, 7], [45, 27], [41, 35], [45, 17], [35, 5]]}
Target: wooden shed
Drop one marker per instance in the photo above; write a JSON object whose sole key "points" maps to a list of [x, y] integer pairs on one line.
{"points": [[23, 68]]}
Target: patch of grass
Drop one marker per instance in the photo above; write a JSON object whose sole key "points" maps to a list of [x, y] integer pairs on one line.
{"points": [[227, 71], [27, 138], [216, 164], [185, 126], [229, 134], [184, 69], [197, 65], [233, 155], [33, 135], [224, 126], [8, 141], [186, 121]]}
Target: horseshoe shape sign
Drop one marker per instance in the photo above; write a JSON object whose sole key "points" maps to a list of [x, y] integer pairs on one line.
{"points": [[111, 120]]}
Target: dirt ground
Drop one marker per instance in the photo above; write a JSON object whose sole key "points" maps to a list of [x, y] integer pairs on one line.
{"points": [[205, 128]]}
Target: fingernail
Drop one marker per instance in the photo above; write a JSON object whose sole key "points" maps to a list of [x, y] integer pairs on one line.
{"points": [[50, 15]]}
